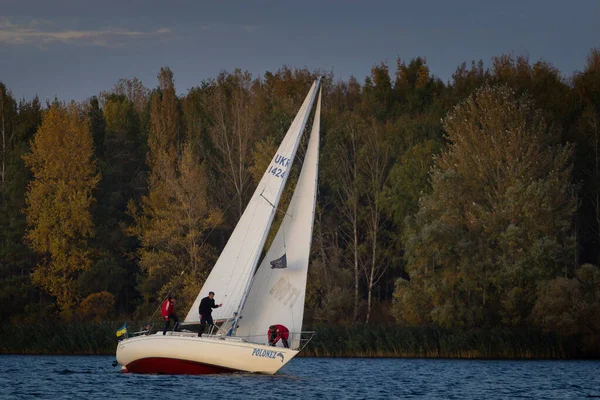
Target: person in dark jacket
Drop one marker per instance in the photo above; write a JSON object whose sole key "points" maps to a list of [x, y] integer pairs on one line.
{"points": [[205, 311], [277, 332], [168, 313]]}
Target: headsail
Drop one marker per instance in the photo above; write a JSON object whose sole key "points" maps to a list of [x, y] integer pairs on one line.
{"points": [[277, 293], [231, 273]]}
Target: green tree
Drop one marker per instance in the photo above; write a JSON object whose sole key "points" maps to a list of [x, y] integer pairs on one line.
{"points": [[585, 133], [121, 162], [378, 96], [409, 180], [8, 113], [17, 125], [571, 306], [499, 217]]}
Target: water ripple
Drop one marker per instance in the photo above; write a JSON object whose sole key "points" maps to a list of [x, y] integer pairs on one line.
{"points": [[93, 377]]}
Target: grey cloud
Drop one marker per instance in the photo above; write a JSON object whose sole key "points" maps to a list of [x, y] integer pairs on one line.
{"points": [[40, 33]]}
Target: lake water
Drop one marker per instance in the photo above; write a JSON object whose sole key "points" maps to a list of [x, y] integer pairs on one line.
{"points": [[93, 377]]}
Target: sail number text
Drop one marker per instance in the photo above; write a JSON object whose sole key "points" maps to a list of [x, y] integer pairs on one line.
{"points": [[279, 161]]}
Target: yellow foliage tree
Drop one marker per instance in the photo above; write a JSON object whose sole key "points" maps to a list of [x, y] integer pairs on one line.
{"points": [[59, 199], [174, 216], [97, 307]]}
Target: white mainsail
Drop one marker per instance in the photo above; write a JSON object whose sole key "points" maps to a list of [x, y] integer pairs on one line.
{"points": [[278, 290], [232, 271]]}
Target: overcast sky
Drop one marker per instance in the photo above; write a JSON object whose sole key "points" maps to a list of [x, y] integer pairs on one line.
{"points": [[73, 49]]}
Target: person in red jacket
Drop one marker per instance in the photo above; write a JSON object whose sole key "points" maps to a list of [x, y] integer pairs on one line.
{"points": [[168, 313], [277, 332]]}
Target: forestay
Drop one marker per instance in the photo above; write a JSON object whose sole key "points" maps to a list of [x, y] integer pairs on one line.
{"points": [[278, 291], [231, 273]]}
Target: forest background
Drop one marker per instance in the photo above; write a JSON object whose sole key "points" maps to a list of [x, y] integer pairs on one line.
{"points": [[467, 209]]}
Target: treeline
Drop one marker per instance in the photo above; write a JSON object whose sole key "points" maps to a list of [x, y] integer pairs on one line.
{"points": [[358, 340], [468, 204]]}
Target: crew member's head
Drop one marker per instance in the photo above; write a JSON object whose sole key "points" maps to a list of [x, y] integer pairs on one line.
{"points": [[211, 295]]}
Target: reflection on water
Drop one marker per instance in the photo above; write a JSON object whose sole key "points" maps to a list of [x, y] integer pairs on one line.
{"points": [[93, 377]]}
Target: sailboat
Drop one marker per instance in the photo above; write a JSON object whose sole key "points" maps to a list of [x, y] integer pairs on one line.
{"points": [[254, 296]]}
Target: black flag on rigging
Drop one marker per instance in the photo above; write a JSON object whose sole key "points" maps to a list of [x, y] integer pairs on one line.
{"points": [[281, 262]]}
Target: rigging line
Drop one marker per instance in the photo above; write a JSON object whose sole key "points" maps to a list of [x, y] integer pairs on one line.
{"points": [[182, 272], [283, 234], [267, 200], [276, 208]]}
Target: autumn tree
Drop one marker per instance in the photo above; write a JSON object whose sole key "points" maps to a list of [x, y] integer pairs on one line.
{"points": [[415, 88], [174, 216], [235, 122], [359, 163], [343, 175], [97, 307], [344, 96], [59, 201], [375, 162], [541, 80], [172, 230], [155, 259], [131, 89], [465, 81], [498, 220]]}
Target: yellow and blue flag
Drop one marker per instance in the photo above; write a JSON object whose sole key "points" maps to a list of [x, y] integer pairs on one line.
{"points": [[122, 330]]}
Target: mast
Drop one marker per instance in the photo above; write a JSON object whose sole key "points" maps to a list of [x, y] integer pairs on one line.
{"points": [[266, 232]]}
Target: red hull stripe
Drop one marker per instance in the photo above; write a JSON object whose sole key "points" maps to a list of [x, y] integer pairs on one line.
{"points": [[172, 366]]}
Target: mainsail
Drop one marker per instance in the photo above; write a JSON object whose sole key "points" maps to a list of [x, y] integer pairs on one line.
{"points": [[232, 271], [278, 291]]}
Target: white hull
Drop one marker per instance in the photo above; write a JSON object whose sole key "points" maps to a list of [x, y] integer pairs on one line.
{"points": [[182, 353]]}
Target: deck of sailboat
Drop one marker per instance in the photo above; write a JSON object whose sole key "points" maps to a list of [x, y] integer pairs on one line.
{"points": [[185, 352], [186, 335]]}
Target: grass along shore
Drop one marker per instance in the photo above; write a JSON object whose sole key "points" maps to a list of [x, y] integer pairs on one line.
{"points": [[330, 341]]}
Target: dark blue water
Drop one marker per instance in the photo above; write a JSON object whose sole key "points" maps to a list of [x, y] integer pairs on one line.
{"points": [[74, 377]]}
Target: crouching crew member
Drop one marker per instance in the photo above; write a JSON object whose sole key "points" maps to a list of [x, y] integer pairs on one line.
{"points": [[277, 332]]}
